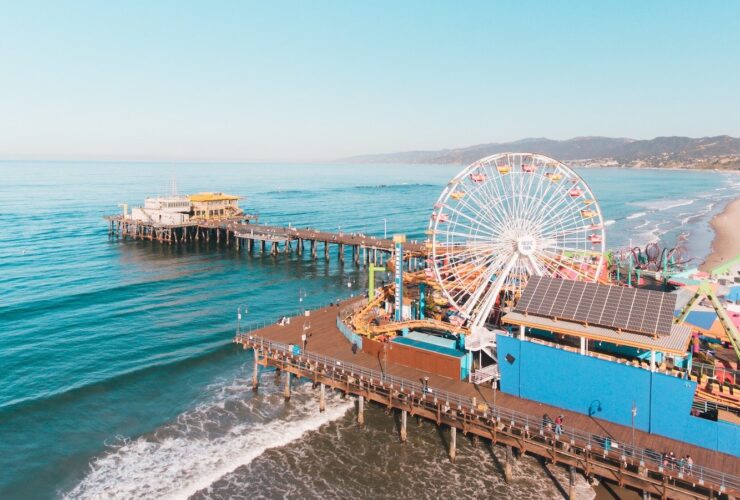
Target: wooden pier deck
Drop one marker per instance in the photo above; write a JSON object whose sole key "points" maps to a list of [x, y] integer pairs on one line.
{"points": [[245, 233], [722, 473]]}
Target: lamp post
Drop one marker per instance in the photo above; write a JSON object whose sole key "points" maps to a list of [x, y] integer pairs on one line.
{"points": [[239, 317], [385, 228]]}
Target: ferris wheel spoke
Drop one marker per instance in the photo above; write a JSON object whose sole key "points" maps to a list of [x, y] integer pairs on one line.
{"points": [[477, 222], [482, 313], [489, 216], [568, 265]]}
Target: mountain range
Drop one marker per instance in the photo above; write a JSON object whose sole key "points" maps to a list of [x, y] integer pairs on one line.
{"points": [[720, 152]]}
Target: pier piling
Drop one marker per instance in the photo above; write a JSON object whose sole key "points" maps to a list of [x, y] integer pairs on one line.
{"points": [[453, 443], [322, 397], [361, 410], [256, 373], [404, 436], [287, 386], [508, 473], [571, 482]]}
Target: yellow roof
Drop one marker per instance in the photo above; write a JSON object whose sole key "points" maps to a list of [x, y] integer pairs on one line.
{"points": [[212, 197]]}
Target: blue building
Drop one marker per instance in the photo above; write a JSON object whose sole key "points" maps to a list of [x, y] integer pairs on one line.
{"points": [[552, 353]]}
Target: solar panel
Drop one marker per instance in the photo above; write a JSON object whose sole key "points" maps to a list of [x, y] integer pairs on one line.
{"points": [[639, 304], [620, 308], [611, 307], [601, 298]]}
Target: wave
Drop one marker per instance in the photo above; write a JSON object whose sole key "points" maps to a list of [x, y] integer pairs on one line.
{"points": [[185, 457], [609, 222], [636, 215], [61, 396], [661, 205]]}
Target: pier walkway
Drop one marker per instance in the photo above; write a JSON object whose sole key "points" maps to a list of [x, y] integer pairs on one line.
{"points": [[245, 232], [329, 359]]}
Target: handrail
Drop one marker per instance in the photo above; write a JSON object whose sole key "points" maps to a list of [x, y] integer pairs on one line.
{"points": [[702, 369], [529, 423]]}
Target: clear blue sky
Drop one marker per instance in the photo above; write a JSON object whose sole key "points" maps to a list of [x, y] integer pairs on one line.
{"points": [[274, 80]]}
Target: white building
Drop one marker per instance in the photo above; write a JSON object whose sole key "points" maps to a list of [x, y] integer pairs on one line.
{"points": [[168, 210]]}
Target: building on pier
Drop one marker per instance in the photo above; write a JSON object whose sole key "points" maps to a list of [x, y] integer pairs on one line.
{"points": [[166, 210], [206, 206]]}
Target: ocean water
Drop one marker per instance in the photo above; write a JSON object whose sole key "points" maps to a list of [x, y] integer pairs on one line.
{"points": [[117, 373]]}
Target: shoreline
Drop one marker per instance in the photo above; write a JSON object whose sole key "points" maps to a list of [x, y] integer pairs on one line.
{"points": [[726, 242]]}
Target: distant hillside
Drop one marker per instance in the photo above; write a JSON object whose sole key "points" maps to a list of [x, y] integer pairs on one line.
{"points": [[721, 152]]}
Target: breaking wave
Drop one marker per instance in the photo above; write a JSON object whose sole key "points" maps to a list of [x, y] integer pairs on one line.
{"points": [[205, 444]]}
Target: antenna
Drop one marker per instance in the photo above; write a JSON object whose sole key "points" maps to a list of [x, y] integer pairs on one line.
{"points": [[174, 186]]}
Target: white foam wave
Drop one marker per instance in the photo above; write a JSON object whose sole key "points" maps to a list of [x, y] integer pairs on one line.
{"points": [[660, 205], [178, 466], [636, 215], [609, 222]]}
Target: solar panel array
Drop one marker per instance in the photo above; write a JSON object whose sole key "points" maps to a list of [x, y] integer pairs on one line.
{"points": [[617, 307]]}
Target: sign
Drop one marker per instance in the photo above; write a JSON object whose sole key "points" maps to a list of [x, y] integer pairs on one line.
{"points": [[398, 239]]}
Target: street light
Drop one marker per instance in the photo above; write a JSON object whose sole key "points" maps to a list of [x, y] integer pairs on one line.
{"points": [[239, 317], [385, 228]]}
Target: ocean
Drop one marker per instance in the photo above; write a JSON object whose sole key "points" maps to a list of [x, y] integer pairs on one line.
{"points": [[118, 378]]}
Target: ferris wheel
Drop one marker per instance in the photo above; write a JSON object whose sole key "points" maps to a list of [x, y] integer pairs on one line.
{"points": [[507, 217]]}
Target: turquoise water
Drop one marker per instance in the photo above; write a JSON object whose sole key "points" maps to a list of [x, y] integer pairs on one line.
{"points": [[116, 356]]}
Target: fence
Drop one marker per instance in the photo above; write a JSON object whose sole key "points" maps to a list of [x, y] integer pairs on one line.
{"points": [[529, 424]]}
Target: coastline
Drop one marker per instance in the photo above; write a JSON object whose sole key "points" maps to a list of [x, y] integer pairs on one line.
{"points": [[726, 242]]}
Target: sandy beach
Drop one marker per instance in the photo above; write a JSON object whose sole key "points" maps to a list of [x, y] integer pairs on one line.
{"points": [[726, 243]]}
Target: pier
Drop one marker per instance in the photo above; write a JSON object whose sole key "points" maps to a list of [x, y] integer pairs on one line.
{"points": [[597, 448], [243, 233]]}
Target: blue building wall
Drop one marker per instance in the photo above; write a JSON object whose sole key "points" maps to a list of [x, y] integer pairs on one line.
{"points": [[607, 390]]}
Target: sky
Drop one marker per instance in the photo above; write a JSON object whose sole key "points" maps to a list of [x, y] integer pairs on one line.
{"points": [[317, 80]]}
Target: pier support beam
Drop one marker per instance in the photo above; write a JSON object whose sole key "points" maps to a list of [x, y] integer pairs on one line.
{"points": [[571, 483], [453, 443], [256, 373], [326, 250], [508, 459], [322, 397], [404, 436], [287, 386], [361, 410]]}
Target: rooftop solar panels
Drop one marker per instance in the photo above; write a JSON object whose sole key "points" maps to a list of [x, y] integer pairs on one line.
{"points": [[635, 310]]}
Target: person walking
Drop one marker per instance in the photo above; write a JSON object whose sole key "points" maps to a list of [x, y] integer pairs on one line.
{"points": [[546, 422], [559, 426]]}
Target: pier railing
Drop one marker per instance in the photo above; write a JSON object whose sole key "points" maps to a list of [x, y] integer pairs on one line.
{"points": [[718, 374], [530, 426]]}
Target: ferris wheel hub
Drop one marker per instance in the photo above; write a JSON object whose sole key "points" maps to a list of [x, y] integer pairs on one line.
{"points": [[526, 245]]}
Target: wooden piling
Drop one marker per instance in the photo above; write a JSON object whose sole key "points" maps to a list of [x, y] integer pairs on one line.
{"points": [[322, 397], [571, 482], [287, 386], [508, 472], [361, 410], [404, 435], [256, 373], [453, 443]]}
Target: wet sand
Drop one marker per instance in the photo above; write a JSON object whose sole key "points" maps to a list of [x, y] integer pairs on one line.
{"points": [[726, 243]]}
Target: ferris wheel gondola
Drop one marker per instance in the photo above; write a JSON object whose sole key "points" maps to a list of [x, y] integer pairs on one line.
{"points": [[505, 218]]}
